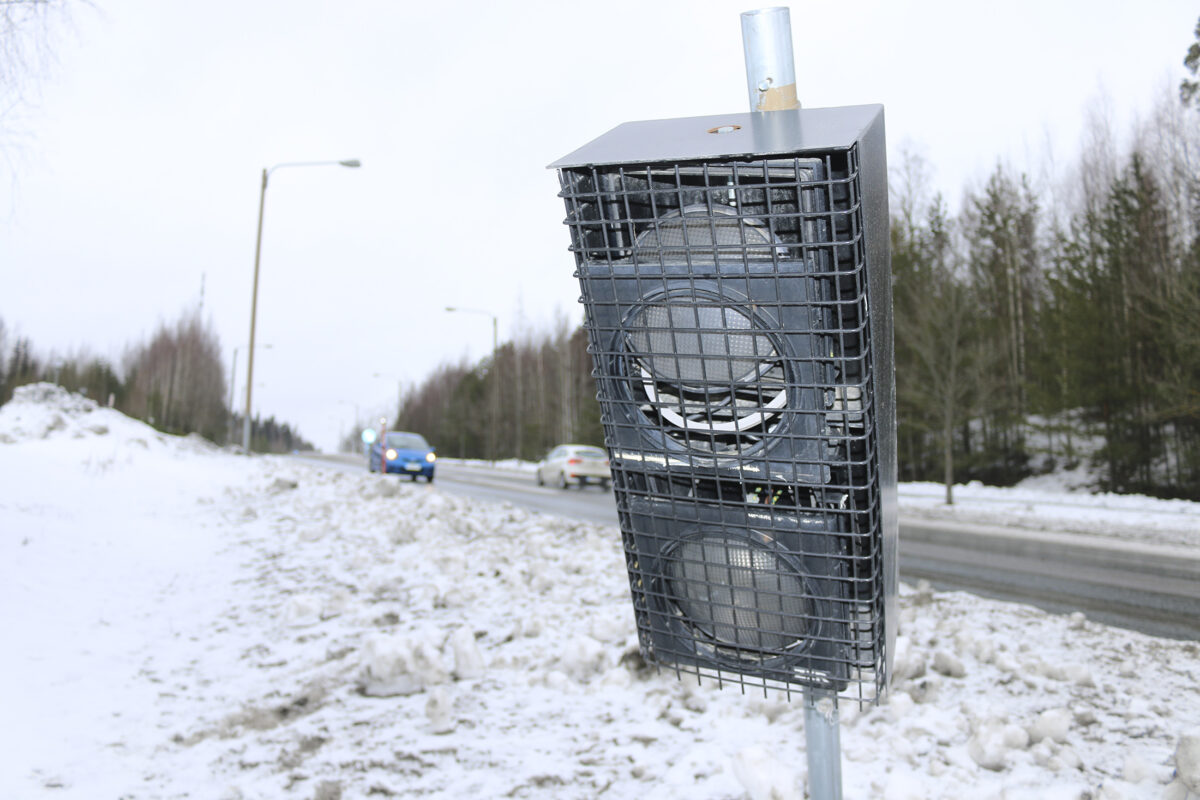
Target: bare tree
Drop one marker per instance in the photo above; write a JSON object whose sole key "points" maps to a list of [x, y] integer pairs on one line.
{"points": [[24, 39], [26, 47], [176, 381], [1169, 144], [939, 354]]}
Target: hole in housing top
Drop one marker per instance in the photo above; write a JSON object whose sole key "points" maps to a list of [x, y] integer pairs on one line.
{"points": [[725, 129]]}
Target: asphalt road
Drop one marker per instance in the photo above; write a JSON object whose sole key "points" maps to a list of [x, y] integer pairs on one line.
{"points": [[1150, 589]]}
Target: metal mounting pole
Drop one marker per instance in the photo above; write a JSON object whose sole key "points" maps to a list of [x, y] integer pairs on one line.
{"points": [[771, 84], [770, 71], [823, 744]]}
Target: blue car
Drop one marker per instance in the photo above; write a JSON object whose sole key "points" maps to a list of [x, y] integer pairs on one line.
{"points": [[403, 453]]}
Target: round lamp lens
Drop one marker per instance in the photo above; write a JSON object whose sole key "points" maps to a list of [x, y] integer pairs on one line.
{"points": [[738, 594], [699, 344]]}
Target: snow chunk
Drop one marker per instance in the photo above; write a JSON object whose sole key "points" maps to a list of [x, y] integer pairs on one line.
{"points": [[393, 665], [584, 657], [610, 628], [904, 785], [908, 663], [1187, 761], [468, 661], [1079, 674], [899, 704], [948, 664], [439, 710], [1053, 724], [1135, 769], [1067, 758], [281, 485], [993, 740], [1177, 791], [765, 777], [302, 610]]}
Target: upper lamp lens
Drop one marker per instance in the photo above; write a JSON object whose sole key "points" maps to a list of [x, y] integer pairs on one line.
{"points": [[699, 344], [703, 234]]}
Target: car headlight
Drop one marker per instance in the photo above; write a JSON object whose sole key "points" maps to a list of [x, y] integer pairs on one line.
{"points": [[431, 457], [391, 454]]}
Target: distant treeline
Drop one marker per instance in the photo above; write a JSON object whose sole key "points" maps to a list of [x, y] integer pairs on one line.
{"points": [[529, 396], [1039, 328], [174, 381]]}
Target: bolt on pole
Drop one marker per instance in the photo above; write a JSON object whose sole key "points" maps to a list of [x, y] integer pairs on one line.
{"points": [[771, 86], [770, 71]]}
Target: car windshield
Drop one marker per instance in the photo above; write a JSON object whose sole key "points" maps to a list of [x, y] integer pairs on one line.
{"points": [[407, 441], [590, 452]]}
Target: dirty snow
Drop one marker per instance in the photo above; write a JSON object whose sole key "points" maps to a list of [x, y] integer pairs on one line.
{"points": [[183, 622]]}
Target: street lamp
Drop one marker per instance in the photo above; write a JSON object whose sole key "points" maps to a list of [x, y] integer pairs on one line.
{"points": [[496, 377], [262, 199]]}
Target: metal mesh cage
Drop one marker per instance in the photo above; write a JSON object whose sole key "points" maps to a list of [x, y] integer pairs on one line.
{"points": [[732, 307]]}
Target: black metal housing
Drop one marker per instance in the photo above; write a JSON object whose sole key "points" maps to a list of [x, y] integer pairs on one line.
{"points": [[736, 282]]}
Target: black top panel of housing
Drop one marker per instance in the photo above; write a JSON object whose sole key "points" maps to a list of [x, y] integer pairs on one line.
{"points": [[726, 136]]}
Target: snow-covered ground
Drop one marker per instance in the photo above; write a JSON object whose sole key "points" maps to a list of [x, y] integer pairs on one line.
{"points": [[177, 621]]}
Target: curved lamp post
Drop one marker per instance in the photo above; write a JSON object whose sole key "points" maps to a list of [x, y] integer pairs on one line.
{"points": [[262, 199]]}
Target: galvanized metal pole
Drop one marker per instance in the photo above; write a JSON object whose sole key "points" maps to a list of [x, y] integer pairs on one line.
{"points": [[823, 744], [770, 71], [771, 85]]}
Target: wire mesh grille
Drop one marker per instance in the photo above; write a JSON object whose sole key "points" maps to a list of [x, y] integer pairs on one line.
{"points": [[726, 310]]}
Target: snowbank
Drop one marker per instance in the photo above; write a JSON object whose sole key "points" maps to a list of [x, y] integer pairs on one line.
{"points": [[197, 623], [1037, 506]]}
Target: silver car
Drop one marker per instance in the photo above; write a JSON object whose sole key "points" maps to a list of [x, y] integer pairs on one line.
{"points": [[574, 463]]}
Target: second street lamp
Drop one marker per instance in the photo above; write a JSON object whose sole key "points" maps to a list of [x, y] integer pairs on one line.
{"points": [[262, 200]]}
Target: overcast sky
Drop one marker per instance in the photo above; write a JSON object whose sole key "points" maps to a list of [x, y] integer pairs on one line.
{"points": [[134, 182]]}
